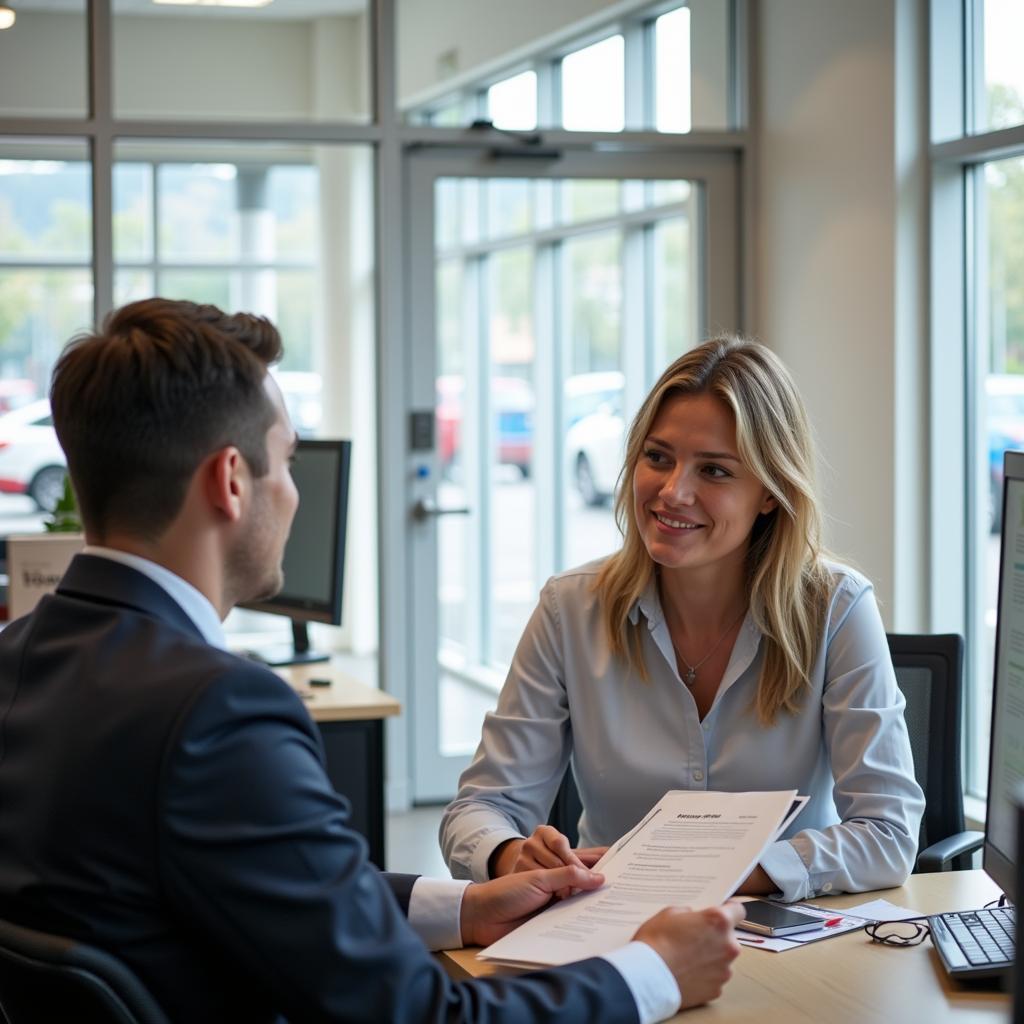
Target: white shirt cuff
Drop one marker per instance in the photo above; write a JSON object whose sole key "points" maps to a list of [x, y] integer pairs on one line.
{"points": [[648, 978], [435, 906], [786, 869]]}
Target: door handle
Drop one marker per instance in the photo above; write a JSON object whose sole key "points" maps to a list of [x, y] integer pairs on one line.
{"points": [[427, 508]]}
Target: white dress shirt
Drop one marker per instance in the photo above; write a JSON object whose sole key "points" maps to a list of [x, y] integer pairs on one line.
{"points": [[195, 604], [631, 741], [435, 904]]}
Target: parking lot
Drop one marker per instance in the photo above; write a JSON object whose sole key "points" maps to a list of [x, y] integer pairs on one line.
{"points": [[18, 514]]}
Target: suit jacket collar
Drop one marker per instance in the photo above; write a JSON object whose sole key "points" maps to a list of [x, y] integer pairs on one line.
{"points": [[93, 578]]}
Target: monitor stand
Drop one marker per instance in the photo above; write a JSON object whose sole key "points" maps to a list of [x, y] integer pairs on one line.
{"points": [[299, 653]]}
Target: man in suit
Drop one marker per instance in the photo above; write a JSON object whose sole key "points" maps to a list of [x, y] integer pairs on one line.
{"points": [[167, 801]]}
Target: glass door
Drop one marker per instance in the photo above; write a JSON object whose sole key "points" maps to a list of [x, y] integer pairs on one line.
{"points": [[546, 304]]}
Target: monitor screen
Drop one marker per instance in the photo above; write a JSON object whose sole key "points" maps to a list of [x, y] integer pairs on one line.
{"points": [[1006, 752], [314, 557]]}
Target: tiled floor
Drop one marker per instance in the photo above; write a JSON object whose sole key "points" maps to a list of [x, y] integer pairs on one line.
{"points": [[412, 846]]}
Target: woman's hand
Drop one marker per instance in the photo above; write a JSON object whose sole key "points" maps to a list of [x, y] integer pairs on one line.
{"points": [[546, 848], [757, 883]]}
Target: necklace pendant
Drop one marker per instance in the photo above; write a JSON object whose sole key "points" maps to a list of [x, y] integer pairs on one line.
{"points": [[691, 676]]}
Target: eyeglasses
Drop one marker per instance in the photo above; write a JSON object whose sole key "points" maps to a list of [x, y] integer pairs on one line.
{"points": [[909, 932]]}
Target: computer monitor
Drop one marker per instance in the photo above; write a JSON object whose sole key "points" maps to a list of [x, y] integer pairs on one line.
{"points": [[314, 557], [1006, 751]]}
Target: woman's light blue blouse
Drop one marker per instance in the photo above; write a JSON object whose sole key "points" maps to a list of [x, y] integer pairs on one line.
{"points": [[631, 741]]}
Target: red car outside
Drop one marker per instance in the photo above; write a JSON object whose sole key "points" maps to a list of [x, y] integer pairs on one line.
{"points": [[511, 404]]}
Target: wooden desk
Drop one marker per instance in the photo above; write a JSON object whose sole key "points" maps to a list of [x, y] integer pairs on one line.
{"points": [[350, 716], [846, 980]]}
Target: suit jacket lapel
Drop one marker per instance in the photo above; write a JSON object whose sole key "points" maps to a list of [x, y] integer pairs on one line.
{"points": [[92, 578]]}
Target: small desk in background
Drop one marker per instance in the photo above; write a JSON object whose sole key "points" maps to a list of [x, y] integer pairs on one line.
{"points": [[350, 716], [848, 979]]}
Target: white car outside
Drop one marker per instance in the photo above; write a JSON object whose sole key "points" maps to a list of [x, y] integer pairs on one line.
{"points": [[31, 459], [589, 392], [594, 448], [593, 441]]}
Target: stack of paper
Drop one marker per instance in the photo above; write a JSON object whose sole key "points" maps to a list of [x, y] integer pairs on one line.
{"points": [[692, 850]]}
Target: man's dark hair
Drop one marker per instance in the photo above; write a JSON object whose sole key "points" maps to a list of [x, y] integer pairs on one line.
{"points": [[139, 404]]}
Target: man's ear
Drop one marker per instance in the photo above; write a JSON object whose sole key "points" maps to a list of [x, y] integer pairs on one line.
{"points": [[226, 478]]}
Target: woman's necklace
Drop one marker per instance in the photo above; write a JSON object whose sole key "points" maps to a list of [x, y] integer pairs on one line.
{"points": [[690, 676]]}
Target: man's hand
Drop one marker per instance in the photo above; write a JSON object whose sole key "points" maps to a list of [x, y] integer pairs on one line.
{"points": [[697, 947], [546, 848], [492, 909]]}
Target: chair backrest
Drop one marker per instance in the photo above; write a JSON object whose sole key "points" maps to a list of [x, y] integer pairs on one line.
{"points": [[929, 671], [47, 978], [567, 808]]}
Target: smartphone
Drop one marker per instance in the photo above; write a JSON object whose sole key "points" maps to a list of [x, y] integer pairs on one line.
{"points": [[775, 919]]}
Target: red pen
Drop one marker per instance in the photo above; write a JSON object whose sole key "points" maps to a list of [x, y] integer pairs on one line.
{"points": [[833, 921]]}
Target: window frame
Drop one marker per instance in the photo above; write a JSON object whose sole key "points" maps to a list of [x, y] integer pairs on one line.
{"points": [[958, 155]]}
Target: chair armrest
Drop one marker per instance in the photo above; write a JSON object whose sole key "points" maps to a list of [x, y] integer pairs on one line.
{"points": [[938, 856]]}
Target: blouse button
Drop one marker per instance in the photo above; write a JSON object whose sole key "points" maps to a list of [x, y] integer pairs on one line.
{"points": [[698, 776], [827, 887]]}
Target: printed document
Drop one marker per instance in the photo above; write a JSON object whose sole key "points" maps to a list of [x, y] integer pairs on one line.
{"points": [[692, 850]]}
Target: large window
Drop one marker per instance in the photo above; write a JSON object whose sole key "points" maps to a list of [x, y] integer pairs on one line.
{"points": [[664, 67], [551, 258], [239, 231], [257, 157], [978, 315], [46, 296]]}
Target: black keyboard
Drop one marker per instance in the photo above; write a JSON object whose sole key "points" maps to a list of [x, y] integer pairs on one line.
{"points": [[975, 944]]}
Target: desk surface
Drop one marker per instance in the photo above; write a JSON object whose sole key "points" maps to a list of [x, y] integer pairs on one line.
{"points": [[846, 980], [345, 699]]}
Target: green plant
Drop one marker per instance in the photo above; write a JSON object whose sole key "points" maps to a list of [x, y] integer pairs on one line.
{"points": [[64, 518]]}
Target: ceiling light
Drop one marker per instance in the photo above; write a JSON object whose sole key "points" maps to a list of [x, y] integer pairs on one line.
{"points": [[6, 17], [215, 3]]}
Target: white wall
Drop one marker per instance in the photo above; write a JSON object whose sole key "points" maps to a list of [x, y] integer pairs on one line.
{"points": [[831, 199], [185, 67], [42, 65], [190, 66]]}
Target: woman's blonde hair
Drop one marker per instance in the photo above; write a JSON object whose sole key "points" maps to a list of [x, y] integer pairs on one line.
{"points": [[787, 577]]}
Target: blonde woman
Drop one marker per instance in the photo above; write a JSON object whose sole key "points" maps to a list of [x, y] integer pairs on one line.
{"points": [[717, 649]]}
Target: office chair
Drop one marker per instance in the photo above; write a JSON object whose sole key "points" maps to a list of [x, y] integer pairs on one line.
{"points": [[567, 808], [929, 671], [47, 978]]}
